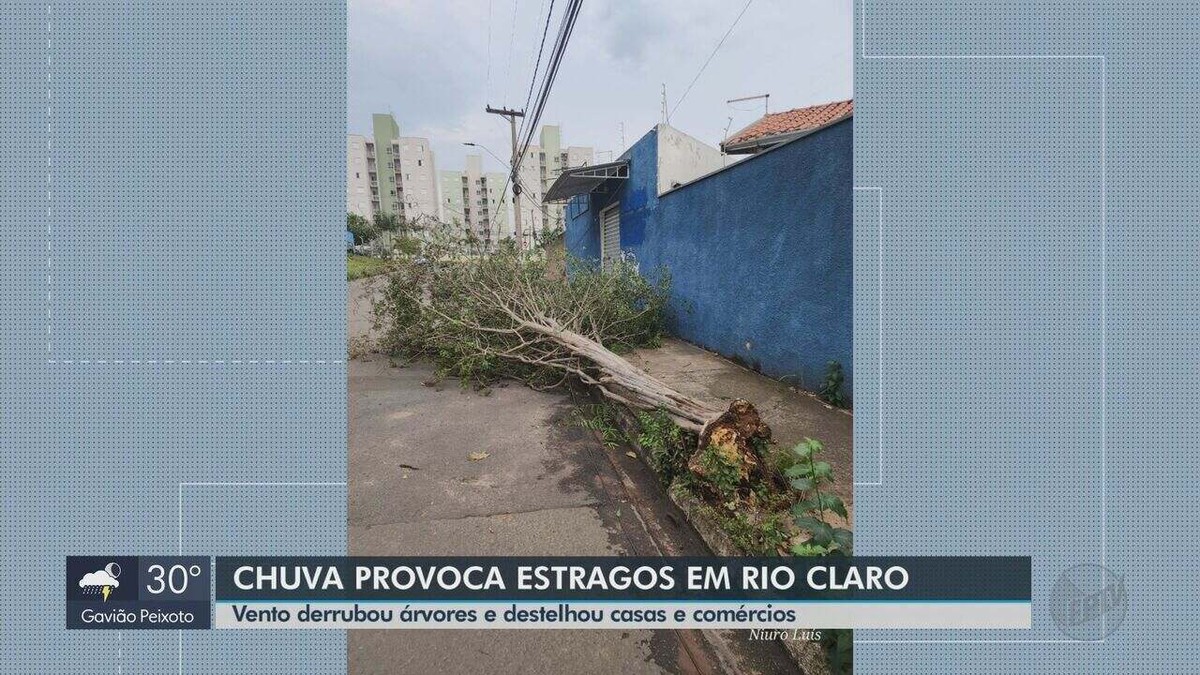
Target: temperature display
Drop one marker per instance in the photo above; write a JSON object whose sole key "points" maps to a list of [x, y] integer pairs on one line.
{"points": [[147, 592]]}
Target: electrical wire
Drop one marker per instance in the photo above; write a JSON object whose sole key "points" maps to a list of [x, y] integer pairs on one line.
{"points": [[710, 56], [556, 54], [511, 37], [570, 14], [487, 87], [537, 66]]}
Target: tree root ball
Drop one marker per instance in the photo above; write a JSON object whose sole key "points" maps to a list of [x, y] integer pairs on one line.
{"points": [[729, 451]]}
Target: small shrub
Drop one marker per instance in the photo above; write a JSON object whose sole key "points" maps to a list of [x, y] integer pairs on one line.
{"points": [[839, 649], [763, 535], [831, 387], [807, 475], [667, 444], [600, 418], [722, 474]]}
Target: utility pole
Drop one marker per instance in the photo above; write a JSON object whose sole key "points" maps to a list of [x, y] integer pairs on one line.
{"points": [[512, 116]]}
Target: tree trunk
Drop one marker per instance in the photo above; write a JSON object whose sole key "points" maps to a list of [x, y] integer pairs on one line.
{"points": [[736, 433]]}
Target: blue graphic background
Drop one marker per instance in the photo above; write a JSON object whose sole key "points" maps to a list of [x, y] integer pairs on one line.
{"points": [[172, 198], [1035, 391], [174, 281]]}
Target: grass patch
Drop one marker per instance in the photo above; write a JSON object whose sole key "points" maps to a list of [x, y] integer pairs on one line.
{"points": [[359, 266]]}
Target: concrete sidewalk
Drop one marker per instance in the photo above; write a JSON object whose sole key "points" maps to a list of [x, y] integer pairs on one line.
{"points": [[792, 415], [546, 487]]}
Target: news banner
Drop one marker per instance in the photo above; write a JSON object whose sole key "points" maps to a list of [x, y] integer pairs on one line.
{"points": [[190, 592]]}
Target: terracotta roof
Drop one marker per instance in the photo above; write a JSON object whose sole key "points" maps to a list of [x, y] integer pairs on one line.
{"points": [[797, 121]]}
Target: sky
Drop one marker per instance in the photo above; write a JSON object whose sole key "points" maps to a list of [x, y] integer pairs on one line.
{"points": [[435, 64]]}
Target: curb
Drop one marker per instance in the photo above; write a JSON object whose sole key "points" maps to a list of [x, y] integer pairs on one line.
{"points": [[808, 656]]}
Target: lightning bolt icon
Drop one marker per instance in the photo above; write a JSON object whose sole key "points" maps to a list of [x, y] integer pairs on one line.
{"points": [[106, 591]]}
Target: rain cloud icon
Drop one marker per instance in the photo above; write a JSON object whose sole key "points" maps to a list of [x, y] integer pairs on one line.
{"points": [[101, 581]]}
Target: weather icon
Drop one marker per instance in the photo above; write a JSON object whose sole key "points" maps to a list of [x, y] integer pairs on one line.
{"points": [[101, 581]]}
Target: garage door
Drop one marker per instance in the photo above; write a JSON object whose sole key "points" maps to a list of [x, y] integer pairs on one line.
{"points": [[610, 236]]}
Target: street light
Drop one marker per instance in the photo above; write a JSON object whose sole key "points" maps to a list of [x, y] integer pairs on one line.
{"points": [[484, 148], [511, 176], [517, 188]]}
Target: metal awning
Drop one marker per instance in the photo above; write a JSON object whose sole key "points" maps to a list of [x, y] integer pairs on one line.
{"points": [[584, 179]]}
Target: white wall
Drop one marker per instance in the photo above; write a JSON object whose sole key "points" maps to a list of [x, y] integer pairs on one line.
{"points": [[358, 182], [682, 158], [418, 177]]}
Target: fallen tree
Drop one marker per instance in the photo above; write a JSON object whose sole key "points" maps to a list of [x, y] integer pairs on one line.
{"points": [[483, 315]]}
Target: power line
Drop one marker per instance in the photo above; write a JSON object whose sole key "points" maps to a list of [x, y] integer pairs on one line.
{"points": [[537, 19], [538, 65], [570, 14], [511, 36], [487, 88], [556, 54], [710, 56]]}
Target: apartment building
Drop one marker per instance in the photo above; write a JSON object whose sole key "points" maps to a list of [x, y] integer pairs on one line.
{"points": [[400, 176], [358, 181], [390, 173], [475, 200], [539, 169]]}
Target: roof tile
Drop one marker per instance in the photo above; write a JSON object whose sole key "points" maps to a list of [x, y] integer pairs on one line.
{"points": [[792, 121]]}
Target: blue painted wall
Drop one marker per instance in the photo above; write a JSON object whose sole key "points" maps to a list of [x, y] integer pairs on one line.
{"points": [[760, 254]]}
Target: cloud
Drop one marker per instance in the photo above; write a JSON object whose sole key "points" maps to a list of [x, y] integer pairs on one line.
{"points": [[629, 32], [435, 64], [98, 578]]}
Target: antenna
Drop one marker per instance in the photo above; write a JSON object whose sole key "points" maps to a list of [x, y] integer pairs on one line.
{"points": [[622, 136], [665, 115], [765, 97]]}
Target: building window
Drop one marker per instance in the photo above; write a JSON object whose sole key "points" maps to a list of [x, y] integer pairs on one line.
{"points": [[418, 162]]}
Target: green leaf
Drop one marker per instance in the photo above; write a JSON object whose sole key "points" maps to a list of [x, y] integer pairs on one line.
{"points": [[807, 523], [804, 507], [835, 504], [844, 539], [814, 445], [822, 470], [822, 534], [802, 451], [808, 550], [795, 471], [802, 484]]}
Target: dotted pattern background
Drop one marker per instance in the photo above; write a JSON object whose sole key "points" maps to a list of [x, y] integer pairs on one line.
{"points": [[180, 168], [991, 378]]}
